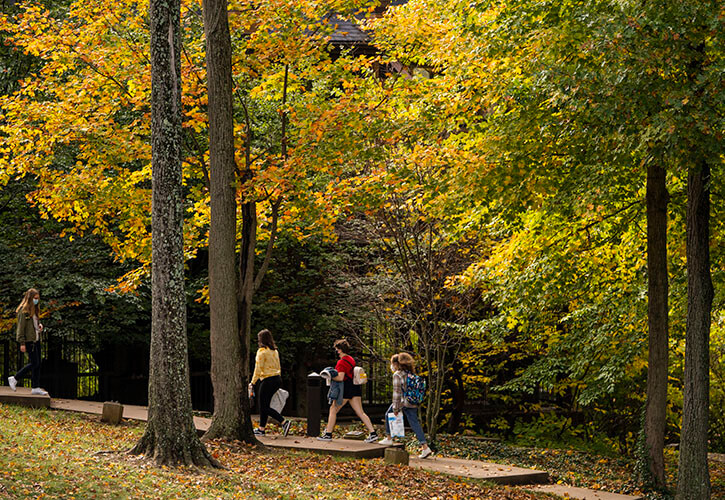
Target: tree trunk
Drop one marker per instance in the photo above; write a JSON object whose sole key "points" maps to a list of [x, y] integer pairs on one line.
{"points": [[657, 314], [458, 392], [435, 353], [226, 353], [244, 302], [170, 436], [693, 478]]}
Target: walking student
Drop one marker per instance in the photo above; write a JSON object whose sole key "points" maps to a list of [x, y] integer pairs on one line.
{"points": [[28, 333], [353, 393], [267, 370], [401, 365]]}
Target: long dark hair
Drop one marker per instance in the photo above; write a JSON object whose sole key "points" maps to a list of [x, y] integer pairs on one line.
{"points": [[264, 337], [343, 345]]}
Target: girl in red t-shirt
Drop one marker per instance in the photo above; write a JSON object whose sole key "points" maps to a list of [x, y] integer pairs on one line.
{"points": [[353, 393]]}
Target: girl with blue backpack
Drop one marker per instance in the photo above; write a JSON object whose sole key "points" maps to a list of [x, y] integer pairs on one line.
{"points": [[408, 393]]}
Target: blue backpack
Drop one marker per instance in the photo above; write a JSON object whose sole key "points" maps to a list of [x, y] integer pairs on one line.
{"points": [[414, 390]]}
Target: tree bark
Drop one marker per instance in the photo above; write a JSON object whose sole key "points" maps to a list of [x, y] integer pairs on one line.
{"points": [[245, 295], [170, 436], [693, 477], [458, 393], [657, 315], [226, 350]]}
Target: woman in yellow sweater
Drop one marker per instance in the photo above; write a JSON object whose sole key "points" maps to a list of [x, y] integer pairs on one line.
{"points": [[268, 371]]}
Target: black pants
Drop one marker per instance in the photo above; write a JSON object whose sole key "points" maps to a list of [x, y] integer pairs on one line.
{"points": [[33, 351], [267, 387]]}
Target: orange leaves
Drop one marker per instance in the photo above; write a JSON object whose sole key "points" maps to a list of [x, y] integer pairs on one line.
{"points": [[81, 124]]}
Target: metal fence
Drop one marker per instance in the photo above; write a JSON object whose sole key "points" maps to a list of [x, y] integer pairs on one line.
{"points": [[69, 371]]}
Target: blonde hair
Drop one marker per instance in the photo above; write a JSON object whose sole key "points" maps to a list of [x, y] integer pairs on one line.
{"points": [[27, 306], [405, 361]]}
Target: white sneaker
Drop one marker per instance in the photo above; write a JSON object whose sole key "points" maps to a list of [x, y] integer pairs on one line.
{"points": [[426, 453], [13, 383], [387, 441], [38, 392], [372, 437]]}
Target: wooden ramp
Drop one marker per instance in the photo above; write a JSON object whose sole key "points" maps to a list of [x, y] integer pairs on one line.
{"points": [[497, 473], [573, 493], [130, 412], [23, 397], [341, 447]]}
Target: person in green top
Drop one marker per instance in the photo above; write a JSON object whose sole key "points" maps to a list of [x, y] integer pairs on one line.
{"points": [[28, 333]]}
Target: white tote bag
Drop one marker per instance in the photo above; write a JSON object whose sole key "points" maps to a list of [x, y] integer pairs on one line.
{"points": [[279, 399], [397, 427]]}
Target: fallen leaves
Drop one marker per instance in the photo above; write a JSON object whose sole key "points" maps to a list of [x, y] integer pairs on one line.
{"points": [[75, 469]]}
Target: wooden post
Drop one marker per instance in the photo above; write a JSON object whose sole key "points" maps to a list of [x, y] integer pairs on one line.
{"points": [[396, 455], [112, 412]]}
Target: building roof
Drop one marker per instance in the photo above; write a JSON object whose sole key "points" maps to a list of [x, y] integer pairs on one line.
{"points": [[347, 32]]}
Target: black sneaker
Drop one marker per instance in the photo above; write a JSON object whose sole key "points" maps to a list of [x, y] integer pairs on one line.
{"points": [[258, 432], [326, 436], [285, 427], [372, 437]]}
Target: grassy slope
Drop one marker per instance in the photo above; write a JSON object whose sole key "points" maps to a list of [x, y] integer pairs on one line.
{"points": [[52, 454]]}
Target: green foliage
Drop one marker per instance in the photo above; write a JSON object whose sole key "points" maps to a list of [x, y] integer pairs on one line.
{"points": [[523, 156], [298, 300], [72, 274], [551, 431], [717, 388]]}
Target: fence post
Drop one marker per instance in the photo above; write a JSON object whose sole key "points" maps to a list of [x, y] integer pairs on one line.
{"points": [[6, 360], [314, 403]]}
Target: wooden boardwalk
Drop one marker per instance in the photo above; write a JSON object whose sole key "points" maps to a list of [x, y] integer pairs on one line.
{"points": [[341, 447], [570, 492], [497, 473], [23, 397], [501, 474]]}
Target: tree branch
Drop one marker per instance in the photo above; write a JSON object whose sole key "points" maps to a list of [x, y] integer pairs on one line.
{"points": [[270, 244]]}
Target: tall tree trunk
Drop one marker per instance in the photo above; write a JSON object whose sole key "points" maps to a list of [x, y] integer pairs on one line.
{"points": [[657, 314], [170, 436], [247, 283], [435, 354], [458, 392], [245, 294], [693, 481], [226, 351]]}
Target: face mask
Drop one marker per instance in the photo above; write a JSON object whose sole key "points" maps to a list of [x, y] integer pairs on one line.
{"points": [[35, 301]]}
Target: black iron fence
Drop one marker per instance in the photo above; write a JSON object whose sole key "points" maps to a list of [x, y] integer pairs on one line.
{"points": [[69, 370]]}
